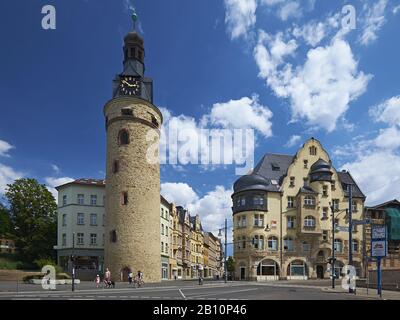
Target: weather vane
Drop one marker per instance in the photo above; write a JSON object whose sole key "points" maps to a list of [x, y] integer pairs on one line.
{"points": [[134, 17]]}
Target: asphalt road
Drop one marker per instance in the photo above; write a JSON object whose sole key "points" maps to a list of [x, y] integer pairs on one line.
{"points": [[182, 290]]}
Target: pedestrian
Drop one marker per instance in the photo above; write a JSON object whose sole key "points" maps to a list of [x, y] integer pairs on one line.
{"points": [[107, 278], [97, 280], [130, 277]]}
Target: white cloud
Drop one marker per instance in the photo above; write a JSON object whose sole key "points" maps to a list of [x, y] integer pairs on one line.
{"points": [[55, 168], [396, 9], [5, 147], [388, 138], [290, 9], [179, 193], [242, 114], [319, 91], [293, 140], [377, 174], [213, 207], [373, 21], [52, 183], [388, 111], [271, 2], [240, 16], [375, 161], [312, 32], [7, 176]]}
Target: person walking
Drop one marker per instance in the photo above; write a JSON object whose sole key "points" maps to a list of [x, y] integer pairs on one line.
{"points": [[107, 278], [97, 281], [130, 277]]}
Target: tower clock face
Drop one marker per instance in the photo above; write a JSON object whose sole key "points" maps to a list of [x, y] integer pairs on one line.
{"points": [[130, 86]]}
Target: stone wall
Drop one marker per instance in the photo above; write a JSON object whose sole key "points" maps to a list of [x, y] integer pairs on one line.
{"points": [[137, 224]]}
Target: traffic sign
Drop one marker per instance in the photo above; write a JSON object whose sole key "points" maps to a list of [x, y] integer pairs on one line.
{"points": [[343, 229], [365, 221]]}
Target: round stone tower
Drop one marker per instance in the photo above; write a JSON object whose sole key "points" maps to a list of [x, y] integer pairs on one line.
{"points": [[132, 228]]}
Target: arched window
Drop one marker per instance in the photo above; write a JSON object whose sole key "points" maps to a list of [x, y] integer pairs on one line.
{"points": [[123, 137], [338, 245], [313, 151], [288, 244], [272, 243], [268, 268], [309, 222], [115, 167], [309, 201]]}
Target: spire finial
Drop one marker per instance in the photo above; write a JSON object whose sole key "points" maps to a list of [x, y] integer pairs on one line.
{"points": [[134, 17]]}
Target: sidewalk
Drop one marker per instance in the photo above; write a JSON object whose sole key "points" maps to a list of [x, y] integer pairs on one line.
{"points": [[362, 292]]}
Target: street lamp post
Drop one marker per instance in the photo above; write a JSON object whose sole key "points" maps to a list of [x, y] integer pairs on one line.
{"points": [[225, 254], [333, 248], [350, 190], [225, 251], [73, 261]]}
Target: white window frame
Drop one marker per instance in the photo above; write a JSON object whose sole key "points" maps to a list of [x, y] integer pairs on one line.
{"points": [[80, 199], [309, 201], [309, 222], [93, 239], [95, 219], [272, 243], [291, 224], [289, 243], [290, 202], [80, 219], [80, 239], [93, 200]]}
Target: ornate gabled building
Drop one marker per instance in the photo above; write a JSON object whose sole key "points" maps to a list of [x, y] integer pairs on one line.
{"points": [[282, 217]]}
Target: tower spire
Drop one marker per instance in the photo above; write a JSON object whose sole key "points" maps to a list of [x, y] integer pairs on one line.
{"points": [[134, 17]]}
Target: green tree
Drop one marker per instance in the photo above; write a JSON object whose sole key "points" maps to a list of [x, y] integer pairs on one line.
{"points": [[230, 264], [5, 221], [33, 212]]}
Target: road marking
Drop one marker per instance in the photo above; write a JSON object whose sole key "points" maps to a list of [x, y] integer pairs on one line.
{"points": [[217, 293], [182, 294]]}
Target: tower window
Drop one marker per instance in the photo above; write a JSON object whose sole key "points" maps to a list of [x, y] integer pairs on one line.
{"points": [[113, 236], [123, 137], [154, 121], [291, 182], [124, 198], [305, 164], [115, 168], [127, 112]]}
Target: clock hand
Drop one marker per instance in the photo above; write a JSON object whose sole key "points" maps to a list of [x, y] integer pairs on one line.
{"points": [[128, 84]]}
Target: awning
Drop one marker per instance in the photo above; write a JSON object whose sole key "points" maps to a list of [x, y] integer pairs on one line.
{"points": [[394, 223]]}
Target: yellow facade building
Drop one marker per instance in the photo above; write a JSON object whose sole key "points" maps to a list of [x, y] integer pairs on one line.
{"points": [[283, 220]]}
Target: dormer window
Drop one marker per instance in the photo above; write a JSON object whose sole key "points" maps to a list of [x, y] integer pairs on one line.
{"points": [[275, 167], [291, 182]]}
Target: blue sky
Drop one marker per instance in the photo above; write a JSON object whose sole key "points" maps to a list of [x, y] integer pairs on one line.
{"points": [[287, 64]]}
